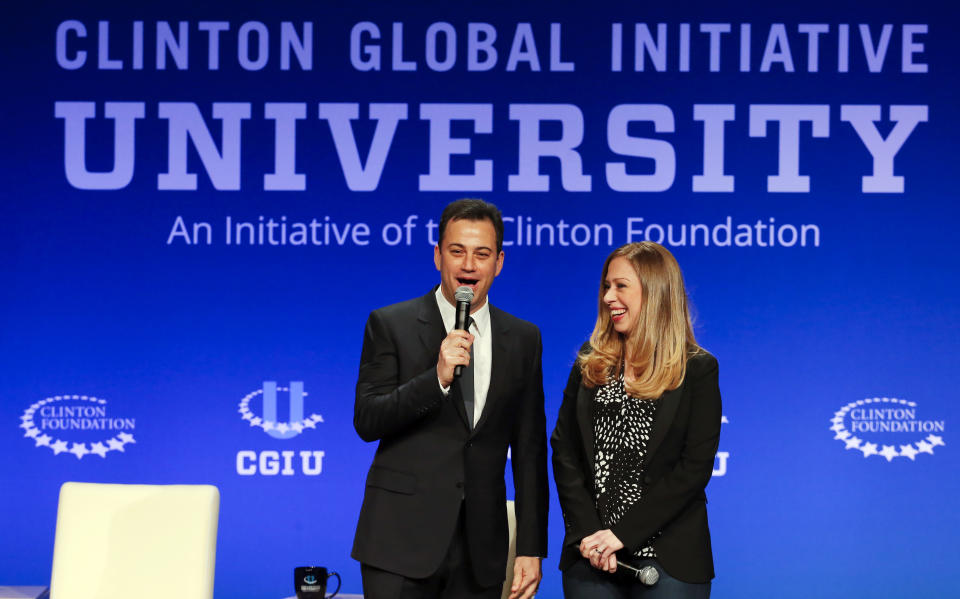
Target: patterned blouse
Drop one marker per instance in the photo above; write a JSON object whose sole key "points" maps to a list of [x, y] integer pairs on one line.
{"points": [[621, 428]]}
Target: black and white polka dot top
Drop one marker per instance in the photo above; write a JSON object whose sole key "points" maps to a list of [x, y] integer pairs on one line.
{"points": [[621, 428]]}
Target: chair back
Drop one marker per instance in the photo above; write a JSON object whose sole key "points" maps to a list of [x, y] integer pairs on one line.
{"points": [[512, 551], [144, 541]]}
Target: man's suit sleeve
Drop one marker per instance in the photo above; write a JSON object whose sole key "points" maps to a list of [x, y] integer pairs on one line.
{"points": [[692, 471], [384, 405], [570, 470], [529, 461]]}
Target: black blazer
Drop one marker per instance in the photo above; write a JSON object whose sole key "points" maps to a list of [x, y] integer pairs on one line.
{"points": [[677, 467], [429, 462]]}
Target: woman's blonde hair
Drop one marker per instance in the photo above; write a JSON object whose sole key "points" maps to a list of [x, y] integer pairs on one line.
{"points": [[662, 338]]}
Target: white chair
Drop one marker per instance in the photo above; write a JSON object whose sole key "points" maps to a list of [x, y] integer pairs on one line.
{"points": [[512, 551], [143, 541]]}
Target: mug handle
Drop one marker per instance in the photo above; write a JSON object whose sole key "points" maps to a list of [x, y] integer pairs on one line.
{"points": [[337, 590]]}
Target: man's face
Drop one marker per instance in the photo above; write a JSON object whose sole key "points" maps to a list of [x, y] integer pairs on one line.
{"points": [[467, 256]]}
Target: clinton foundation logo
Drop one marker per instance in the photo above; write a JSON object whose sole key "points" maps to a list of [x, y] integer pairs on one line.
{"points": [[262, 409], [887, 427], [77, 425]]}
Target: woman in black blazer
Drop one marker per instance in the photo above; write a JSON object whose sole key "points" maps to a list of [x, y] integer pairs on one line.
{"points": [[636, 437]]}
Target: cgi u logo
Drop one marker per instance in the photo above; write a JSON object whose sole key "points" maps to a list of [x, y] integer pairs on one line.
{"points": [[283, 431]]}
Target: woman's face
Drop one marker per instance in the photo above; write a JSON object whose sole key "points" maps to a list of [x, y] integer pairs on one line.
{"points": [[623, 295]]}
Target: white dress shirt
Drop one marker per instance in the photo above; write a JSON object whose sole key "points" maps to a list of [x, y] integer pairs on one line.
{"points": [[482, 348]]}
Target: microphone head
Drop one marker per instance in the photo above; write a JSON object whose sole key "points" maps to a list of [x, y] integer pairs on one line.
{"points": [[463, 294], [648, 575]]}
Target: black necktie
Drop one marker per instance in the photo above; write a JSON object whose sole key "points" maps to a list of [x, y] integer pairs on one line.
{"points": [[466, 382]]}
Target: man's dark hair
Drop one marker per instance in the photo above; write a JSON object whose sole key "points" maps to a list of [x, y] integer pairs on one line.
{"points": [[472, 209]]}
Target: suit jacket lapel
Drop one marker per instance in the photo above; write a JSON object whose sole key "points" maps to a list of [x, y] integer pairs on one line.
{"points": [[432, 334], [585, 412], [586, 407], [662, 421], [501, 354]]}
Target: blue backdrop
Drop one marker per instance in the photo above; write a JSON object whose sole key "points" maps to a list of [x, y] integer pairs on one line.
{"points": [[795, 159]]}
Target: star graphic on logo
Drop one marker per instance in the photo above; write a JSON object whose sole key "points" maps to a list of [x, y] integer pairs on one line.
{"points": [[889, 452], [869, 449], [935, 440], [842, 435], [100, 449], [59, 447], [27, 424], [126, 438], [42, 440], [854, 443], [285, 429], [837, 427], [32, 432], [924, 447], [115, 444], [79, 450], [908, 451]]}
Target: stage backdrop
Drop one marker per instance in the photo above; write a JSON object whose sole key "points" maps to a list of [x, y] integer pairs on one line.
{"points": [[202, 202]]}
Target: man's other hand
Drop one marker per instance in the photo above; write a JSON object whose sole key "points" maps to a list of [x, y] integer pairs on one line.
{"points": [[526, 577]]}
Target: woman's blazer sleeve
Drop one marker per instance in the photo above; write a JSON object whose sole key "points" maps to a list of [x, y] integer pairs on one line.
{"points": [[570, 468]]}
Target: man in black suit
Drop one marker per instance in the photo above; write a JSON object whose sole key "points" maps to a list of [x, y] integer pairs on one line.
{"points": [[433, 521]]}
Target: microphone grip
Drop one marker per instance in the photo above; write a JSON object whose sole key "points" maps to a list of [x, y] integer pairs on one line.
{"points": [[463, 313]]}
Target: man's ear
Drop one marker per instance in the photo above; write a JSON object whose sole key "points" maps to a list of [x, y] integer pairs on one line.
{"points": [[436, 256]]}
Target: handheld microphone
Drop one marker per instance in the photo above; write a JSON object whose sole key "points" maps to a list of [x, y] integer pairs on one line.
{"points": [[463, 295], [647, 575]]}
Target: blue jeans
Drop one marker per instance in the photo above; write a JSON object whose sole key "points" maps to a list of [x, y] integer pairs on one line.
{"points": [[583, 581]]}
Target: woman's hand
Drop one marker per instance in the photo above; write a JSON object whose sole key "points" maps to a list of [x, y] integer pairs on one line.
{"points": [[599, 548]]}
